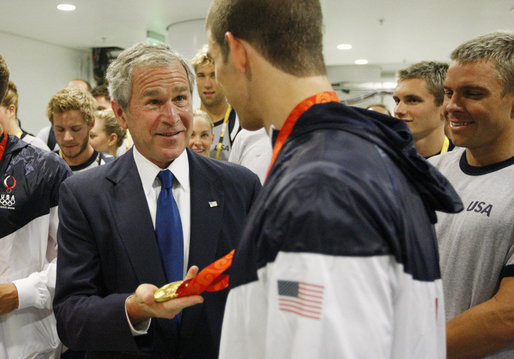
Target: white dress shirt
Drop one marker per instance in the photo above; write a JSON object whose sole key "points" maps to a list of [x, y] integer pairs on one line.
{"points": [[148, 172]]}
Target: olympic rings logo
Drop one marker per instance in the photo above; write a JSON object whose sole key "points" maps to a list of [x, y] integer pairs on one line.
{"points": [[7, 201]]}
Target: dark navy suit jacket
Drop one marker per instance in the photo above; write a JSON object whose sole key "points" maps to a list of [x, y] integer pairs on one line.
{"points": [[107, 247]]}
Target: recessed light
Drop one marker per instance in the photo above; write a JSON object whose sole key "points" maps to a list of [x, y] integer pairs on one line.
{"points": [[344, 46], [361, 62], [66, 7]]}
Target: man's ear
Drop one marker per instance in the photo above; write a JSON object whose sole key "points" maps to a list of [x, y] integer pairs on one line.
{"points": [[119, 113], [92, 124], [237, 48]]}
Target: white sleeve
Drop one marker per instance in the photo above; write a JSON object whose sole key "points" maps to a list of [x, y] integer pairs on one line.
{"points": [[253, 151], [141, 328], [37, 290], [343, 307]]}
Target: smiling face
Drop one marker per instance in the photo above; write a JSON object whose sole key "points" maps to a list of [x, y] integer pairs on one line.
{"points": [[416, 106], [202, 136], [159, 113], [481, 118]]}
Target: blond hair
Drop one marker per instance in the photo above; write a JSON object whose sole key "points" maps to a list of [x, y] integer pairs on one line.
{"points": [[202, 58], [111, 125], [71, 98], [497, 47]]}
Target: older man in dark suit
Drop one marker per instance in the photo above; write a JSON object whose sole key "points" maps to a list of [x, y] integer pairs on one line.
{"points": [[110, 245]]}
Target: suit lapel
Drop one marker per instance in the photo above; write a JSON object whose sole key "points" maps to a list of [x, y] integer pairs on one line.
{"points": [[207, 202], [132, 217]]}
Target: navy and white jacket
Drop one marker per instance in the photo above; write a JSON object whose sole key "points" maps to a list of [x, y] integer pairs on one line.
{"points": [[28, 246], [339, 257]]}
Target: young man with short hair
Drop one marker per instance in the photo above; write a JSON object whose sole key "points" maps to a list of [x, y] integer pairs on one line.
{"points": [[338, 258], [223, 116], [419, 97], [477, 246], [29, 191], [71, 113]]}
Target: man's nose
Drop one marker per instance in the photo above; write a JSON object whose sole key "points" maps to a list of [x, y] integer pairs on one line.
{"points": [[452, 104], [68, 136], [399, 109], [170, 111]]}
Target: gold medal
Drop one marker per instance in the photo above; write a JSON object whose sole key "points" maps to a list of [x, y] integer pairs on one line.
{"points": [[167, 291]]}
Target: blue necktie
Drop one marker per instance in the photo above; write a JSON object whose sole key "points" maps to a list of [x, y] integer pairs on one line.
{"points": [[168, 229]]}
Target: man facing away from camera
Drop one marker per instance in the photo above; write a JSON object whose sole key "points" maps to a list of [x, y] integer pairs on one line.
{"points": [[338, 258]]}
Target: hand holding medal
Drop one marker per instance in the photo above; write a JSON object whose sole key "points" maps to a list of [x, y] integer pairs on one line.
{"points": [[210, 279]]}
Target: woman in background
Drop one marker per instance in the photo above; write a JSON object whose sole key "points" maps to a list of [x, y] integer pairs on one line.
{"points": [[106, 135], [202, 136]]}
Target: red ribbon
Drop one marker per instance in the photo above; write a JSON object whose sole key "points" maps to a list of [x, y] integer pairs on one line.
{"points": [[3, 144], [287, 127], [209, 279]]}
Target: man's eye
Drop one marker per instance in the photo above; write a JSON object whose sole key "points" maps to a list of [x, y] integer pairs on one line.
{"points": [[474, 94]]}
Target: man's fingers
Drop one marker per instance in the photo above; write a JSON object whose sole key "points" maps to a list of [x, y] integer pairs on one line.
{"points": [[177, 304], [192, 272]]}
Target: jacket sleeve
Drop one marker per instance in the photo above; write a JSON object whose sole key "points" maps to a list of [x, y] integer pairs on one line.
{"points": [[86, 318]]}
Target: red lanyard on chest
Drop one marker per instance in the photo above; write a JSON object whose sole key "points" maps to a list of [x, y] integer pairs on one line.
{"points": [[287, 127], [3, 144]]}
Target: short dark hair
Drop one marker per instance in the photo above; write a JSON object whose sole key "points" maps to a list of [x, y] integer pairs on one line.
{"points": [[4, 77], [434, 74], [497, 47], [101, 90], [287, 33]]}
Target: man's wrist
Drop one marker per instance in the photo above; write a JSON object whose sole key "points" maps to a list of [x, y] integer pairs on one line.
{"points": [[134, 311], [8, 297]]}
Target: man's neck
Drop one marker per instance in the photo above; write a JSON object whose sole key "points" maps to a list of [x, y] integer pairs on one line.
{"points": [[215, 112], [432, 144], [493, 153], [81, 158], [286, 94]]}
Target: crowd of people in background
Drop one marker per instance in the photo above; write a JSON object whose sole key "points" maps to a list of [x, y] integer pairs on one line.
{"points": [[374, 235]]}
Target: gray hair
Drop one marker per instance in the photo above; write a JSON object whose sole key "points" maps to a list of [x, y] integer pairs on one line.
{"points": [[495, 46], [434, 74], [140, 55]]}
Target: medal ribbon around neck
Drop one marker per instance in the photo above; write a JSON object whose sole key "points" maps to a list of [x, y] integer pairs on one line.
{"points": [[287, 127], [3, 144]]}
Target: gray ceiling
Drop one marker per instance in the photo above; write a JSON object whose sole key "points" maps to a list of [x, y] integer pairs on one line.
{"points": [[389, 33]]}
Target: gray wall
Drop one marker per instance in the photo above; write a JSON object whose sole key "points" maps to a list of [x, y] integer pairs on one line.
{"points": [[38, 70]]}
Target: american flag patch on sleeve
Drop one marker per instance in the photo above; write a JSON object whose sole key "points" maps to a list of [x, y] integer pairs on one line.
{"points": [[304, 299]]}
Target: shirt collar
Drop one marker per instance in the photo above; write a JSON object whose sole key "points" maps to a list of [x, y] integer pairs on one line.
{"points": [[148, 171]]}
